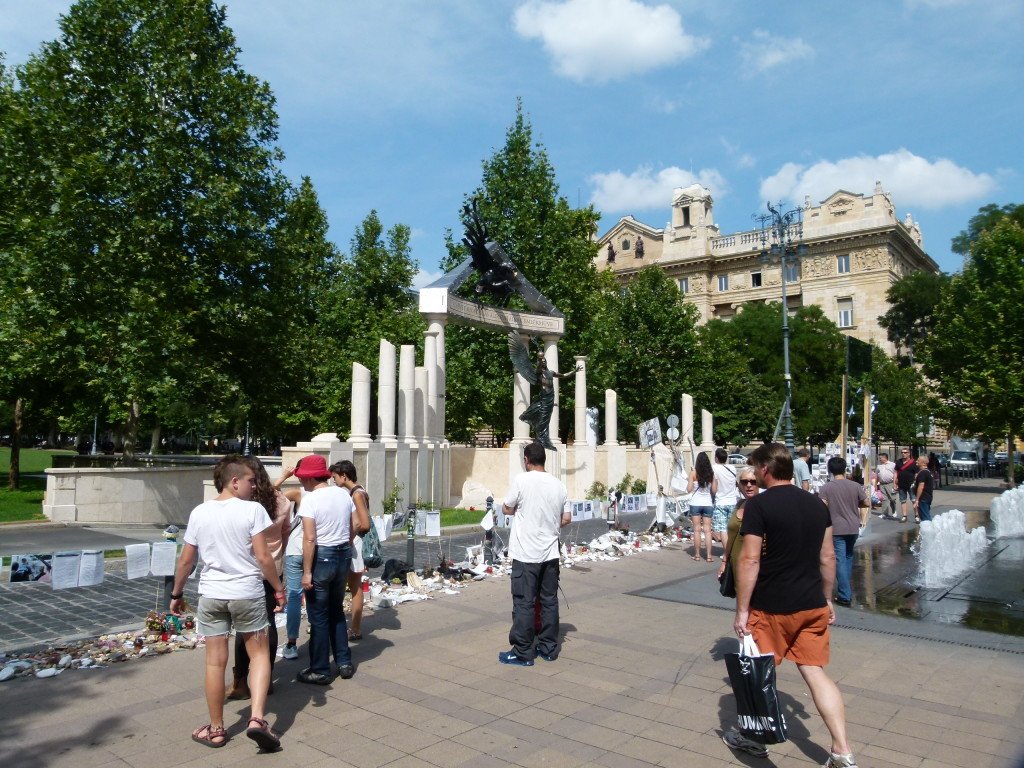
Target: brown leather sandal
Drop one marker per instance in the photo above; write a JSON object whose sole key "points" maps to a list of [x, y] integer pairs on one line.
{"points": [[265, 738], [206, 734]]}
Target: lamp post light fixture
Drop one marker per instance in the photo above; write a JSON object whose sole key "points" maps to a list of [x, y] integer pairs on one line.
{"points": [[782, 240]]}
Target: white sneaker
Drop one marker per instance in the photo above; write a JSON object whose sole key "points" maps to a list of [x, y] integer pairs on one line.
{"points": [[736, 740], [840, 761], [290, 652]]}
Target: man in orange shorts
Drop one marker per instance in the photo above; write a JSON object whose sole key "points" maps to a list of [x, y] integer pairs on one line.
{"points": [[784, 590]]}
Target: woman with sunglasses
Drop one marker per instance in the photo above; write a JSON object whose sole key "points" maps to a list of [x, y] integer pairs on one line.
{"points": [[747, 483]]}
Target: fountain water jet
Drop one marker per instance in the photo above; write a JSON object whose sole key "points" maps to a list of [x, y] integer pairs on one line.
{"points": [[1007, 513], [946, 549]]}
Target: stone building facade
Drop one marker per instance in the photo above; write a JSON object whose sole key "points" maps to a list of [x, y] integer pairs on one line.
{"points": [[854, 249]]}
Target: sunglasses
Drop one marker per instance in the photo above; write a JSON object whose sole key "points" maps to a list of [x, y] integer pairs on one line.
{"points": [[748, 482]]}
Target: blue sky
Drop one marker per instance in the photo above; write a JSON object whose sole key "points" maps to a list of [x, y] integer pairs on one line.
{"points": [[394, 105]]}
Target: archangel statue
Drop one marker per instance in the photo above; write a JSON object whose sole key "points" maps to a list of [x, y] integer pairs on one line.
{"points": [[534, 369]]}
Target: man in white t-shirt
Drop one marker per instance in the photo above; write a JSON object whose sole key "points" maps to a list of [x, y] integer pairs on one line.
{"points": [[326, 513], [725, 497], [540, 506], [227, 534]]}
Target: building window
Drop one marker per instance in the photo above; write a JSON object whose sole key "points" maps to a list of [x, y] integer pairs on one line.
{"points": [[845, 312], [686, 216], [723, 283], [625, 244], [792, 273], [755, 279], [843, 264], [684, 285]]}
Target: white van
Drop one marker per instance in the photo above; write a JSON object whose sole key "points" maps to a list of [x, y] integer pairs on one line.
{"points": [[964, 460]]}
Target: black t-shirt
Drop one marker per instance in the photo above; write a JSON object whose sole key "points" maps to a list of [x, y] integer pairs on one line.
{"points": [[905, 472], [791, 523], [925, 478]]}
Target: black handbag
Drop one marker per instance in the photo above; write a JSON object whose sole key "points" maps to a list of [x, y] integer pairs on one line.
{"points": [[727, 581]]}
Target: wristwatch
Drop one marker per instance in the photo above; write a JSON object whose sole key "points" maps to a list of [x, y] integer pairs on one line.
{"points": [[177, 596]]}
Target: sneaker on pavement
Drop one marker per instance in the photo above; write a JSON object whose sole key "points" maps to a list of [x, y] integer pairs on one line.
{"points": [[840, 761], [736, 740], [510, 657], [290, 652]]}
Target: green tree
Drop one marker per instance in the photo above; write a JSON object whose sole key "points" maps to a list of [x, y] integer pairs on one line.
{"points": [[149, 195], [816, 351], [368, 297], [904, 402], [976, 353], [911, 316], [550, 242], [986, 218]]}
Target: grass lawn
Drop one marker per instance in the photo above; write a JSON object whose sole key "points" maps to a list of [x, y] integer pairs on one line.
{"points": [[461, 517], [26, 503]]}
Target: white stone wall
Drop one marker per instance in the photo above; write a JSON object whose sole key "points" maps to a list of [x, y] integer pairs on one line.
{"points": [[153, 495]]}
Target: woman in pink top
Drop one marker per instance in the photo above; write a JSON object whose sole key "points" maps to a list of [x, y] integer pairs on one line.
{"points": [[278, 507]]}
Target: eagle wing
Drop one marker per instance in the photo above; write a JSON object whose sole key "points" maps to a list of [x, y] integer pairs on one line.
{"points": [[521, 360]]}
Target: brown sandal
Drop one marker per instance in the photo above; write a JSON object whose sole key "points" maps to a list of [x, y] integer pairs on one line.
{"points": [[265, 738], [206, 734]]}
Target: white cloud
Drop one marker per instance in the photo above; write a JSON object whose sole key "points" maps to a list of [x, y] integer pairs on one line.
{"points": [[644, 189], [912, 180], [740, 158], [763, 51], [424, 278], [602, 40]]}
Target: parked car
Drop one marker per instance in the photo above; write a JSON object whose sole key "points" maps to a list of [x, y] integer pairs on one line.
{"points": [[943, 459], [737, 459], [964, 460]]}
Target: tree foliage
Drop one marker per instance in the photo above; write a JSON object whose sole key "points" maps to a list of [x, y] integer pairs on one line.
{"points": [[816, 363], [148, 192], [976, 353], [986, 218], [550, 242], [911, 316], [368, 297]]}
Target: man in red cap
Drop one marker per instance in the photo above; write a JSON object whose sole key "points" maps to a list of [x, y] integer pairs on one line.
{"points": [[326, 513]]}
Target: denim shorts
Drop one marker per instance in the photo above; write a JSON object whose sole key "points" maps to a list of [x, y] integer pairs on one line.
{"points": [[217, 617], [701, 511]]}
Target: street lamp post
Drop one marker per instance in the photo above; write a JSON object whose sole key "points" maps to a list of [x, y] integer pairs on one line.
{"points": [[782, 238]]}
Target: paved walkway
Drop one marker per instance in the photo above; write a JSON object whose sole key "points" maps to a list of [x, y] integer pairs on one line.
{"points": [[640, 682], [32, 614]]}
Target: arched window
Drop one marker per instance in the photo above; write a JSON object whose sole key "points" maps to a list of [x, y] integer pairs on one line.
{"points": [[625, 243]]}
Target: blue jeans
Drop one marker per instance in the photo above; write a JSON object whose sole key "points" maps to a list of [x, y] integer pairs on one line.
{"points": [[844, 564], [924, 510], [324, 607], [293, 578]]}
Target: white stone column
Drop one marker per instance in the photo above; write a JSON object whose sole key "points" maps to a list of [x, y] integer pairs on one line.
{"points": [[689, 442], [430, 364], [436, 326], [520, 402], [386, 392], [360, 404], [406, 391], [611, 417], [420, 403], [687, 417], [551, 358], [580, 410], [707, 427]]}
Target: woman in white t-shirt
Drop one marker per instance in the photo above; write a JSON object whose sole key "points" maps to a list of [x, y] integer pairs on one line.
{"points": [[702, 486], [292, 564]]}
